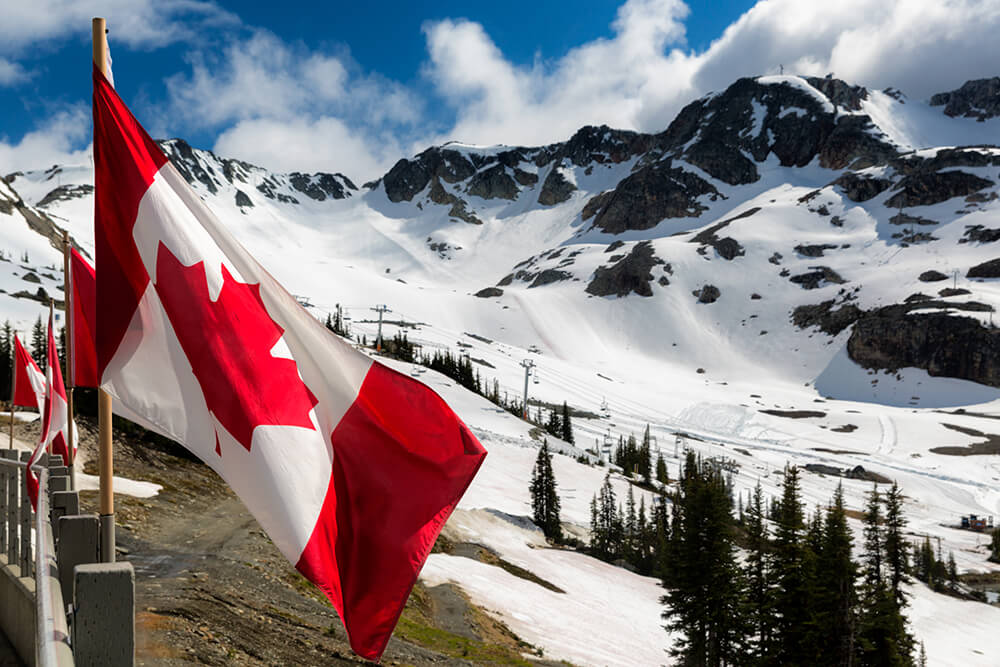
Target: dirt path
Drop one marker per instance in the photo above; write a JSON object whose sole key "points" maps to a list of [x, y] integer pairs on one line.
{"points": [[212, 589]]}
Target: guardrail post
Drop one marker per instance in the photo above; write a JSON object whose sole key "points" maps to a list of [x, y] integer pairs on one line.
{"points": [[3, 506], [104, 618], [26, 558], [12, 505], [64, 503], [80, 545]]}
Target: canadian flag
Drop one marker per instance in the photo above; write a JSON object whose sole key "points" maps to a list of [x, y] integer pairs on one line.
{"points": [[350, 467], [55, 417], [83, 310], [29, 381]]}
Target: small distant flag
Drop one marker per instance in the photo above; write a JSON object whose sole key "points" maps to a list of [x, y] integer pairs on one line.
{"points": [[55, 416], [29, 381]]}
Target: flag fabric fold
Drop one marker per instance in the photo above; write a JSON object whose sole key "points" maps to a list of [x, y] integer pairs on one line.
{"points": [[83, 310], [29, 381], [55, 417], [350, 467]]}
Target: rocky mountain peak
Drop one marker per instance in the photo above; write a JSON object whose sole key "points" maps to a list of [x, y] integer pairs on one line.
{"points": [[979, 99], [199, 166]]}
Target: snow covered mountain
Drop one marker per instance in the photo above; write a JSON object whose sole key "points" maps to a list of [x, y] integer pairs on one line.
{"points": [[796, 269]]}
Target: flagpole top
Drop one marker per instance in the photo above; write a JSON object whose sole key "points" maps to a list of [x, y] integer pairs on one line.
{"points": [[99, 36]]}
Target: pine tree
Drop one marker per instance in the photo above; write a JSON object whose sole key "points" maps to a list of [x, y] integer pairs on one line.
{"points": [[661, 537], [544, 496], [952, 570], [567, 425], [662, 476], [644, 457], [759, 612], [554, 425], [995, 545], [605, 524], [644, 558], [39, 344], [791, 594], [630, 548], [882, 635], [6, 354], [704, 584], [837, 595], [873, 542], [894, 544], [61, 347]]}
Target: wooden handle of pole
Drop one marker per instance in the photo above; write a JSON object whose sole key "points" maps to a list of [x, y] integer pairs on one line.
{"points": [[105, 461], [99, 32], [105, 465], [68, 370]]}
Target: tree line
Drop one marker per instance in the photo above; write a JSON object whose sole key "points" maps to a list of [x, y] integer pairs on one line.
{"points": [[766, 587]]}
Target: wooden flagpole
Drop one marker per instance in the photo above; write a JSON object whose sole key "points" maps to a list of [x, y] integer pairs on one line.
{"points": [[105, 450], [68, 370], [50, 386], [13, 386]]}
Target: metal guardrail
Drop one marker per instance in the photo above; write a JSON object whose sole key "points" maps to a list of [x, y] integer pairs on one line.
{"points": [[51, 632]]}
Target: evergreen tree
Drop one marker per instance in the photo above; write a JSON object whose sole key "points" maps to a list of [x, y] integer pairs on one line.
{"points": [[644, 558], [759, 613], [837, 594], [662, 476], [873, 542], [630, 520], [605, 524], [995, 545], [704, 584], [952, 570], [894, 544], [39, 344], [567, 425], [61, 347], [6, 357], [792, 587], [554, 425], [644, 457], [661, 537], [882, 635], [544, 496]]}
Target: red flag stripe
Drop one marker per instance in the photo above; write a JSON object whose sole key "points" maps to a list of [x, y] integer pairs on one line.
{"points": [[381, 455], [125, 162], [83, 284]]}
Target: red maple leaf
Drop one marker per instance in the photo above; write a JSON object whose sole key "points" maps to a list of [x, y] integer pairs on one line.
{"points": [[228, 343]]}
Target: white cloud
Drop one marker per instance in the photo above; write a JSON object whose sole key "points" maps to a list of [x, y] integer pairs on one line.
{"points": [[287, 106], [642, 76], [265, 77], [11, 73], [323, 144], [312, 110], [135, 23], [56, 142]]}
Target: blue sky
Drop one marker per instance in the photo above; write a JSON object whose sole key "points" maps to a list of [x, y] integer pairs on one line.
{"points": [[354, 86]]}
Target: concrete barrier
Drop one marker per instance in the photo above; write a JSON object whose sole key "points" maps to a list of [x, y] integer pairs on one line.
{"points": [[104, 615], [79, 545], [17, 610]]}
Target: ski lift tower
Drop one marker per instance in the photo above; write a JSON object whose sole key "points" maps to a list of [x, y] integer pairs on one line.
{"points": [[528, 364]]}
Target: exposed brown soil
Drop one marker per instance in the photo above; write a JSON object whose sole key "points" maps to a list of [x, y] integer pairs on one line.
{"points": [[990, 445], [795, 414], [212, 589]]}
